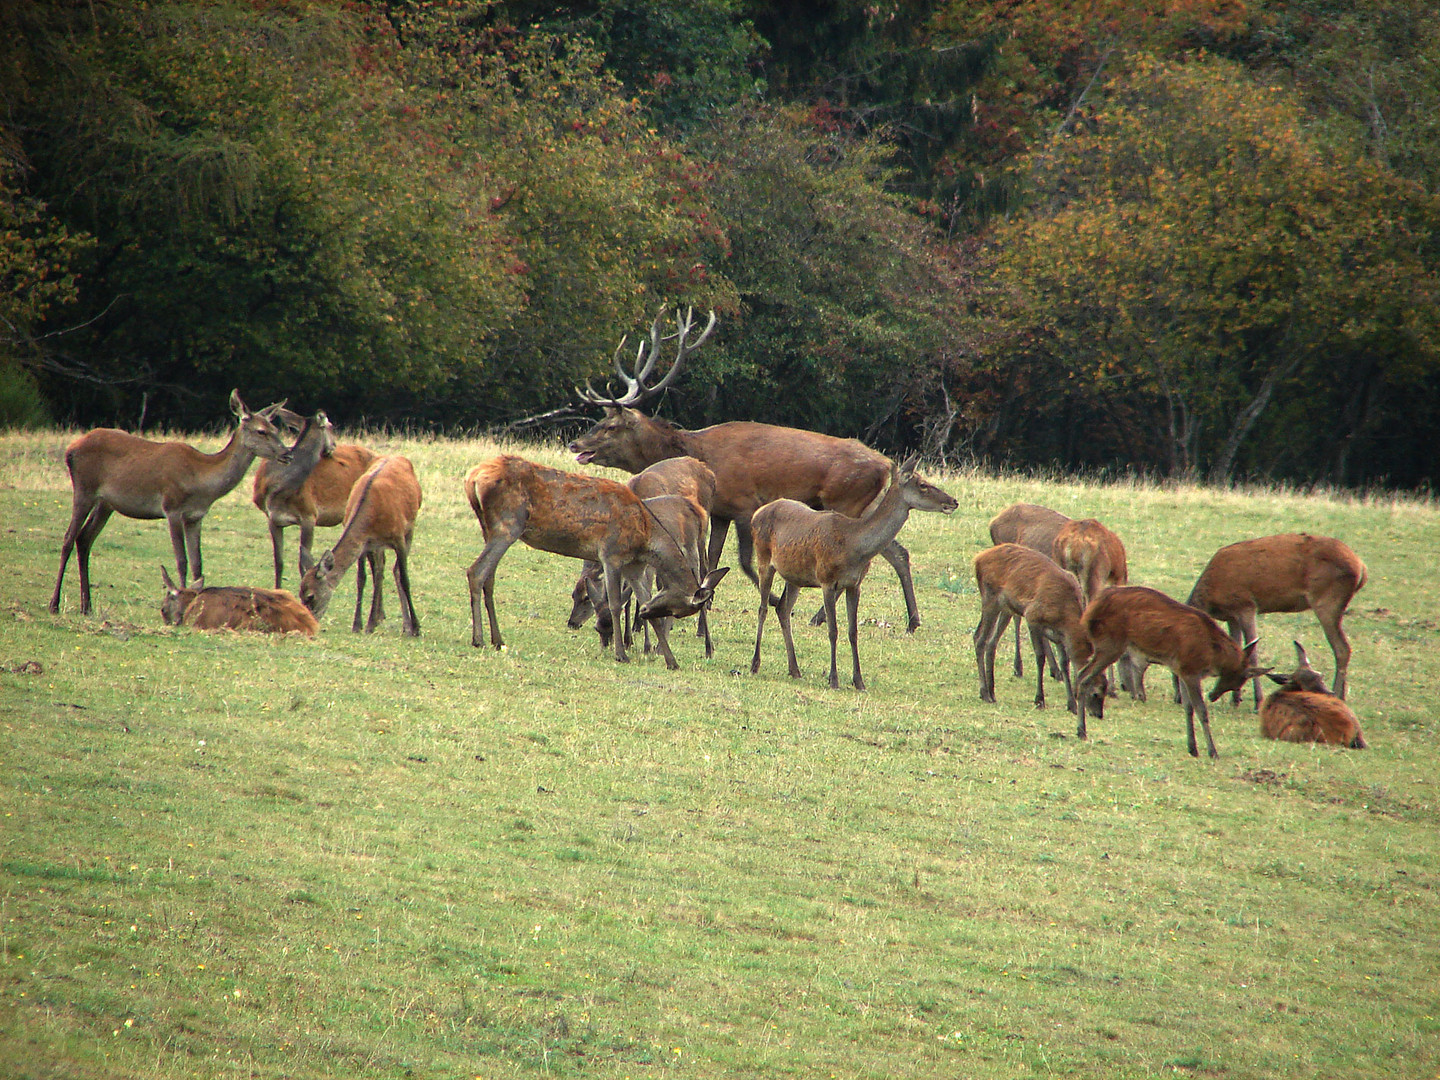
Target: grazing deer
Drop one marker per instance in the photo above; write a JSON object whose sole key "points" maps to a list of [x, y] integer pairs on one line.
{"points": [[311, 491], [585, 517], [831, 551], [685, 476], [113, 471], [271, 611], [1016, 581], [380, 514], [1034, 527], [1096, 557], [753, 463], [1304, 710], [1288, 572], [1164, 631]]}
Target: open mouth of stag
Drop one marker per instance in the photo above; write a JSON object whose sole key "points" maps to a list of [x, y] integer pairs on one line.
{"points": [[584, 457]]}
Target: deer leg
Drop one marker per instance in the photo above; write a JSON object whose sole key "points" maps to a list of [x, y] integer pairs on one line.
{"points": [[852, 610], [1195, 702], [895, 554], [1053, 660], [1097, 663], [1037, 644], [176, 522], [719, 527], [1339, 645], [377, 598], [356, 624], [94, 522], [1064, 658], [409, 621], [192, 545], [745, 540], [481, 579], [613, 589], [999, 620], [782, 612], [80, 510], [277, 548], [307, 538], [985, 630], [827, 598], [767, 577], [1019, 664]]}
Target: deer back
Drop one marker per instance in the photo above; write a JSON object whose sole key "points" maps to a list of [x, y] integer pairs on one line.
{"points": [[1027, 524], [323, 496], [1093, 554], [273, 611], [686, 476], [1305, 716], [1164, 630], [1282, 573]]}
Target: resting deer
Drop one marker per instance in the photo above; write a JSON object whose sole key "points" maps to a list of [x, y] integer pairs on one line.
{"points": [[1015, 581], [311, 491], [684, 476], [753, 463], [113, 471], [1288, 572], [271, 611], [1304, 710], [832, 551], [1164, 631], [1034, 527], [585, 517], [380, 514]]}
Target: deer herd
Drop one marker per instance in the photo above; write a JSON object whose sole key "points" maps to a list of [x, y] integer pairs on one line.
{"points": [[812, 509]]}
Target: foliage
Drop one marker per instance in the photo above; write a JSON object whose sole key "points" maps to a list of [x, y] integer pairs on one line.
{"points": [[1195, 246]]}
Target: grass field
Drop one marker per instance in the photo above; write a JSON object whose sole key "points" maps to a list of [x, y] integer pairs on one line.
{"points": [[365, 856]]}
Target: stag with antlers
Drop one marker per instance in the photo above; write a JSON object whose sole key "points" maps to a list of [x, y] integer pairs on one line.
{"points": [[753, 463]]}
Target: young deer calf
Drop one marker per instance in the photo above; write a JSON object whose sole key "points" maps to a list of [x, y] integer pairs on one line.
{"points": [[272, 611], [1288, 572], [380, 514], [1165, 631], [585, 517], [1304, 710], [1034, 527], [1015, 581], [830, 551]]}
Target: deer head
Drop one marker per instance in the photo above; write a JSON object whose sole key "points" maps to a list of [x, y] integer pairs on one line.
{"points": [[1304, 677], [678, 602], [258, 432], [317, 583], [1234, 680]]}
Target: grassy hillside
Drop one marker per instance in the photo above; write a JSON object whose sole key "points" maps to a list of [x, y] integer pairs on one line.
{"points": [[364, 856]]}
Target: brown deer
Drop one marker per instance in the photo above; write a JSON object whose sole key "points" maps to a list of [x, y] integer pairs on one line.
{"points": [[113, 471], [307, 492], [1096, 557], [1015, 581], [685, 476], [1288, 572], [753, 463], [271, 611], [1164, 631], [380, 514], [831, 551], [1034, 527], [585, 517], [1304, 710]]}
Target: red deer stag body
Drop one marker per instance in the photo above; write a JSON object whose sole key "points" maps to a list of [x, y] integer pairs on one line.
{"points": [[1304, 710], [753, 463], [380, 514], [684, 476], [271, 611], [1165, 631], [832, 551], [113, 471], [1288, 572], [584, 517], [1033, 526], [1015, 581], [311, 491]]}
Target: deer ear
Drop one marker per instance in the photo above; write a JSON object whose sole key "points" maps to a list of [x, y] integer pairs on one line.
{"points": [[169, 584], [236, 405], [1300, 655], [307, 563], [327, 562], [199, 584], [910, 464], [1281, 679], [713, 578]]}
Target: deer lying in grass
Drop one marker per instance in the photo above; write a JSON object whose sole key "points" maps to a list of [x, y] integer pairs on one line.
{"points": [[113, 470], [1304, 710], [831, 551], [1288, 572], [585, 517], [271, 611], [684, 476], [312, 490], [380, 514], [1014, 581], [1165, 631], [753, 463], [1034, 527]]}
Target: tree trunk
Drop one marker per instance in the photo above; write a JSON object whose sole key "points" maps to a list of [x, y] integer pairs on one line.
{"points": [[1220, 471]]}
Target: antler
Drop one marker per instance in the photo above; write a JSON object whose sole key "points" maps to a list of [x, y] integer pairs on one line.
{"points": [[645, 357]]}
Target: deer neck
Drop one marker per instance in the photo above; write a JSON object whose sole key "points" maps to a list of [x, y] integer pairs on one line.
{"points": [[304, 456], [225, 468], [658, 441], [356, 533], [871, 533]]}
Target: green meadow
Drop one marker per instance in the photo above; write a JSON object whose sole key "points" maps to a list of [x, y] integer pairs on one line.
{"points": [[232, 855]]}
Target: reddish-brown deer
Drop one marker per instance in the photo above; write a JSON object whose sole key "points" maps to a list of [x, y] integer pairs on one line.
{"points": [[1288, 572], [311, 491], [753, 463], [1304, 710], [113, 471], [1165, 631], [832, 551], [1016, 582], [271, 611], [380, 514], [684, 476], [1034, 527], [1096, 557], [584, 517]]}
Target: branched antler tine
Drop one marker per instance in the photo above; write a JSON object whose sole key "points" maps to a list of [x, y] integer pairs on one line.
{"points": [[682, 349], [643, 372]]}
